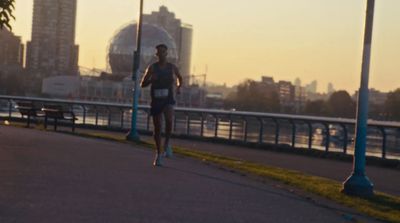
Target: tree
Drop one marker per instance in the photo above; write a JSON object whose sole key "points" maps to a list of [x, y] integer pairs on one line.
{"points": [[392, 105], [6, 9], [254, 96], [340, 104], [317, 108]]}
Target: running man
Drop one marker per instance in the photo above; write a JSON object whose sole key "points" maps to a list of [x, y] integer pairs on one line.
{"points": [[162, 77]]}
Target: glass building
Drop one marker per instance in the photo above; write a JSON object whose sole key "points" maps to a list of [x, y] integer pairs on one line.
{"points": [[123, 45]]}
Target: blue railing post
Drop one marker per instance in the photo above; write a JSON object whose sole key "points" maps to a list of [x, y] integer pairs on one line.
{"points": [[358, 183], [133, 134]]}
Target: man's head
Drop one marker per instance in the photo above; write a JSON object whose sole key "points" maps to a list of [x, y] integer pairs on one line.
{"points": [[162, 51]]}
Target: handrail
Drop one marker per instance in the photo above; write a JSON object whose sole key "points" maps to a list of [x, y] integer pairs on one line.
{"points": [[331, 120], [224, 124]]}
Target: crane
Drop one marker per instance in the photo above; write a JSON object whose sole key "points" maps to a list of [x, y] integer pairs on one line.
{"points": [[194, 81]]}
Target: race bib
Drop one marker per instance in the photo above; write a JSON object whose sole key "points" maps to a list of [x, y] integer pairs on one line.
{"points": [[161, 93]]}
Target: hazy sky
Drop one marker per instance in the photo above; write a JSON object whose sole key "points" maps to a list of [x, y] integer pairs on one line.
{"points": [[238, 39]]}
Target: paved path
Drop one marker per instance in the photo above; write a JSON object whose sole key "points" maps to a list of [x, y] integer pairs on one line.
{"points": [[53, 177]]}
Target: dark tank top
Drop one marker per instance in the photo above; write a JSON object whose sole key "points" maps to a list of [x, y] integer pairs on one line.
{"points": [[162, 87]]}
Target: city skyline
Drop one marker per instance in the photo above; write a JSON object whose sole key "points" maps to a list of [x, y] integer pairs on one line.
{"points": [[310, 39]]}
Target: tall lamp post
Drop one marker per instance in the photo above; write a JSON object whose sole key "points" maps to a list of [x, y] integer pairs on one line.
{"points": [[358, 183], [133, 134]]}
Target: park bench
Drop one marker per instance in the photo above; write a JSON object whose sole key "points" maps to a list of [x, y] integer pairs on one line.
{"points": [[28, 109], [57, 112]]}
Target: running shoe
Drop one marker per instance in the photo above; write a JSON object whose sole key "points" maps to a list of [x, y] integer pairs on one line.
{"points": [[168, 152], [157, 161]]}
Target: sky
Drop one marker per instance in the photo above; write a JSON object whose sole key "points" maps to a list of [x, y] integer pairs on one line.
{"points": [[236, 40]]}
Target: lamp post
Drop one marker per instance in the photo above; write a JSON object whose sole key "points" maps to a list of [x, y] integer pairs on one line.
{"points": [[358, 183], [133, 134]]}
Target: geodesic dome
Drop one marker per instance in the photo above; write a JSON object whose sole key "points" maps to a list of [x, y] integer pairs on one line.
{"points": [[123, 44]]}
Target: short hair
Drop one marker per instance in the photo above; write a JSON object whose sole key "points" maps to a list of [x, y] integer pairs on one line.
{"points": [[161, 46]]}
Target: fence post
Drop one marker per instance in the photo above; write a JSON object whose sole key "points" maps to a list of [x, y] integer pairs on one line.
{"points": [[310, 134], [261, 132], [293, 133], [245, 129], [277, 128], [9, 108], [345, 138], [327, 137], [202, 125], [384, 137], [216, 126], [122, 118], [187, 124], [230, 127], [84, 115]]}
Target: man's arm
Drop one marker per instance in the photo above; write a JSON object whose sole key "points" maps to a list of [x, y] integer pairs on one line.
{"points": [[147, 78], [179, 76]]}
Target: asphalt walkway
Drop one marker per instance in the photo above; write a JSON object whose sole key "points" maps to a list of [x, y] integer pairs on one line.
{"points": [[54, 177]]}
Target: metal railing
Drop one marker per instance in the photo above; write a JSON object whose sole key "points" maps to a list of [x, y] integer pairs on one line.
{"points": [[324, 133]]}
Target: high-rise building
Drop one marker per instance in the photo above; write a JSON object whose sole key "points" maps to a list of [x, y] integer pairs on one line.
{"points": [[180, 32], [52, 50], [11, 50], [312, 87], [267, 80], [185, 51], [286, 96], [297, 82], [299, 96], [330, 89]]}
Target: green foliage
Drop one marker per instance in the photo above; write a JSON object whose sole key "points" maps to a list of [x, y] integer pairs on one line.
{"points": [[376, 111], [340, 104], [317, 108], [6, 9], [392, 105], [254, 96]]}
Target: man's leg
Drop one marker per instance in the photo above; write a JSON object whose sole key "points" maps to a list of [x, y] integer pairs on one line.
{"points": [[157, 131], [169, 116]]}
